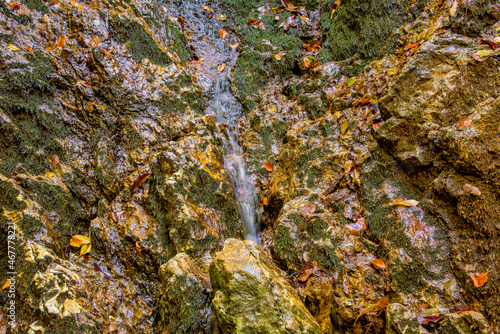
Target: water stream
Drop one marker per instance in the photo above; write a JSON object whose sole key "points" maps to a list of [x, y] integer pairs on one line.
{"points": [[216, 52]]}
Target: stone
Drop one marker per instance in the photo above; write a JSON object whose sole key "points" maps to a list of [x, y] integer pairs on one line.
{"points": [[184, 303], [469, 322], [251, 295], [400, 320]]}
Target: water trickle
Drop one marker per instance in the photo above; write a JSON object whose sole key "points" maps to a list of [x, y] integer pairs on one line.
{"points": [[227, 111]]}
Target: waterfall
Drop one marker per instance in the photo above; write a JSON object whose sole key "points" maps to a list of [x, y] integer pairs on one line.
{"points": [[227, 110]]}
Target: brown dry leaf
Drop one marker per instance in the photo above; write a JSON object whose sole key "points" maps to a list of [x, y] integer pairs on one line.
{"points": [[268, 166], [138, 247], [140, 180], [357, 227], [14, 6], [53, 3], [79, 240], [221, 68], [479, 279], [61, 41], [477, 57], [265, 201], [405, 202], [222, 33], [464, 122], [348, 166], [6, 285], [378, 264], [454, 7], [206, 8], [29, 49], [311, 62], [472, 189], [85, 258], [54, 161], [411, 46], [375, 126], [181, 22], [379, 306], [493, 45]]}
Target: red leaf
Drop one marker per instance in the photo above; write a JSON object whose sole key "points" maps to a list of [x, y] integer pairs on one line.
{"points": [[268, 166], [488, 42], [14, 6], [140, 180], [54, 161], [222, 33]]}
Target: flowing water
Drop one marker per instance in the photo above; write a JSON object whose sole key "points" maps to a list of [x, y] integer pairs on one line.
{"points": [[213, 51]]}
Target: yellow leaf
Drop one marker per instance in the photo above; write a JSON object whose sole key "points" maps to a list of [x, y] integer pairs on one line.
{"points": [[271, 109], [77, 5], [484, 53], [221, 17], [206, 8], [6, 285], [343, 127], [85, 248], [392, 71], [48, 175], [13, 47], [78, 240], [406, 202]]}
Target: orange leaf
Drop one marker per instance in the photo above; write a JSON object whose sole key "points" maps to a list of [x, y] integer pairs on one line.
{"points": [[139, 249], [14, 6], [53, 3], [54, 161], [140, 180], [77, 5], [479, 279], [378, 264], [6, 285], [85, 258], [61, 41], [375, 126], [265, 201], [357, 227], [268, 166], [411, 46], [222, 33], [493, 45], [221, 68], [29, 49], [464, 122]]}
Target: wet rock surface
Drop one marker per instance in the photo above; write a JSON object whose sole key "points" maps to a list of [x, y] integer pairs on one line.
{"points": [[382, 197], [251, 295]]}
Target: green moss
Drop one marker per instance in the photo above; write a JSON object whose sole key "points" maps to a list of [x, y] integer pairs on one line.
{"points": [[38, 5], [195, 100], [140, 44], [366, 28]]}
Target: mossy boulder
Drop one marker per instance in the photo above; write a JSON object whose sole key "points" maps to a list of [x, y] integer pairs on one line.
{"points": [[251, 295], [400, 320]]}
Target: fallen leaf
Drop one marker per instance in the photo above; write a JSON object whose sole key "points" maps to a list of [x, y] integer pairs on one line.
{"points": [[206, 8], [140, 180], [79, 240], [405, 202], [379, 306], [411, 46], [343, 127], [61, 41], [138, 247], [222, 33], [6, 285], [334, 8], [53, 3], [54, 161], [357, 227], [85, 258], [221, 17], [493, 45], [477, 57], [265, 201], [268, 166], [116, 216], [304, 18], [29, 49], [392, 71], [181, 22], [258, 23], [271, 109], [85, 248], [311, 62], [484, 53], [13, 47], [454, 7], [378, 264], [471, 189], [348, 166], [48, 175], [375, 126], [277, 57], [479, 279], [351, 82], [14, 6], [235, 45], [221, 68], [464, 122], [79, 6]]}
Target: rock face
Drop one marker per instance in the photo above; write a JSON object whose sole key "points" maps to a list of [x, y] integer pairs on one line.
{"points": [[400, 320], [184, 303], [469, 322], [251, 295]]}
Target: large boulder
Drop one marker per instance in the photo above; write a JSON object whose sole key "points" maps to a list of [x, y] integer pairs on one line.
{"points": [[251, 295], [400, 320]]}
